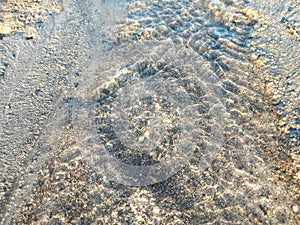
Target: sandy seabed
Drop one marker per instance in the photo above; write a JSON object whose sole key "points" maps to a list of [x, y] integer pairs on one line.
{"points": [[61, 58]]}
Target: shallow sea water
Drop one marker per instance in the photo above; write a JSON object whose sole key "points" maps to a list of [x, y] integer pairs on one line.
{"points": [[151, 112]]}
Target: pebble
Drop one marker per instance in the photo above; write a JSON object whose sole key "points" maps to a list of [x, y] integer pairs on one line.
{"points": [[30, 33], [295, 208], [156, 210]]}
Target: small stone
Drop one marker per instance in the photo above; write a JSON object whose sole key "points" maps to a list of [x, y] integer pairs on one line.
{"points": [[30, 33], [156, 210], [295, 208], [105, 91], [147, 34]]}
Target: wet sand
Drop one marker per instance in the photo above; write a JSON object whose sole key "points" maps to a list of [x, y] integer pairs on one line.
{"points": [[251, 51]]}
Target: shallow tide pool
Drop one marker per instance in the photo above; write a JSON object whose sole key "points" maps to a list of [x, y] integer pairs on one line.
{"points": [[149, 112]]}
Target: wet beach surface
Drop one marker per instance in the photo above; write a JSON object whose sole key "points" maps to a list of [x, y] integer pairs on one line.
{"points": [[70, 73]]}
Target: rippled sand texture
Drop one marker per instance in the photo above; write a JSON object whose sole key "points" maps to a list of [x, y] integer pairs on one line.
{"points": [[252, 57], [22, 16], [281, 55]]}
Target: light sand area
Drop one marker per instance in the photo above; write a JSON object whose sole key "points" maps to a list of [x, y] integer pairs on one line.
{"points": [[22, 15]]}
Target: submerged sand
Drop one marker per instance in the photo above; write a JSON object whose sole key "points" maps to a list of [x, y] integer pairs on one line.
{"points": [[252, 52]]}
